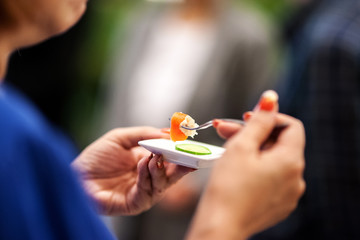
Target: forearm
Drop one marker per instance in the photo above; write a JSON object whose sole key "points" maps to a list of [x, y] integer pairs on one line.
{"points": [[214, 219]]}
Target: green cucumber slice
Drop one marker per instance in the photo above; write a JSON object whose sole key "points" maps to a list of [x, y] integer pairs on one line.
{"points": [[193, 149]]}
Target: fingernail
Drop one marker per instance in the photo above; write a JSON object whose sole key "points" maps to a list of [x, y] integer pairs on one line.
{"points": [[165, 130], [160, 163], [268, 100], [247, 116], [215, 123]]}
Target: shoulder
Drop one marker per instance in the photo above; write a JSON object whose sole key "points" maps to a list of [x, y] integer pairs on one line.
{"points": [[41, 190], [336, 24], [22, 126], [244, 24]]}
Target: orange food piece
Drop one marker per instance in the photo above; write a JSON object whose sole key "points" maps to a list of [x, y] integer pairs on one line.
{"points": [[175, 132]]}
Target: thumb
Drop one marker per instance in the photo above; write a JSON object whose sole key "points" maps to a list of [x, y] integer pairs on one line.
{"points": [[129, 137], [226, 129], [261, 124]]}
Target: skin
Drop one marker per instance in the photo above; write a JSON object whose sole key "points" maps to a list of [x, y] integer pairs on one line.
{"points": [[250, 188], [24, 23], [198, 10], [123, 177]]}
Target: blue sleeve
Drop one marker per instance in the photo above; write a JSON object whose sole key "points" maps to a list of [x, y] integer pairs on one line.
{"points": [[42, 199], [40, 196]]}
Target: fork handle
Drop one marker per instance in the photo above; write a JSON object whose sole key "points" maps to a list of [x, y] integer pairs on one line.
{"points": [[273, 135], [241, 122]]}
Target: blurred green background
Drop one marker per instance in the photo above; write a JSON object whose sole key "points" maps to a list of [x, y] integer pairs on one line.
{"points": [[97, 30], [63, 75]]}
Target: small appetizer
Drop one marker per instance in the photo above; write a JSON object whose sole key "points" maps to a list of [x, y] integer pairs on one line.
{"points": [[177, 133]]}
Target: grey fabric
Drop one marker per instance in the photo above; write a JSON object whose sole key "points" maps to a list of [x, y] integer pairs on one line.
{"points": [[235, 75]]}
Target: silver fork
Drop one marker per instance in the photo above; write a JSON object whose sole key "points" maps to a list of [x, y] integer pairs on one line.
{"points": [[272, 137], [209, 123]]}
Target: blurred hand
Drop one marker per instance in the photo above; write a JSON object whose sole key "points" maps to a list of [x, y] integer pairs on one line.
{"points": [[121, 176], [252, 188], [182, 196], [226, 129]]}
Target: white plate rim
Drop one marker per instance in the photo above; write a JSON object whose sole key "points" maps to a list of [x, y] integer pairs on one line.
{"points": [[166, 148]]}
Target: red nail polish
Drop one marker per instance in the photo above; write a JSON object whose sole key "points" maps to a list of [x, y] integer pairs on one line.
{"points": [[165, 130], [215, 123], [268, 101], [247, 116]]}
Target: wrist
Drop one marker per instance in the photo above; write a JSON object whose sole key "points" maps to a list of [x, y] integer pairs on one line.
{"points": [[216, 219]]}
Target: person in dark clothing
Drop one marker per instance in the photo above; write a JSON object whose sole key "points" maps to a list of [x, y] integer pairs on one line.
{"points": [[322, 88]]}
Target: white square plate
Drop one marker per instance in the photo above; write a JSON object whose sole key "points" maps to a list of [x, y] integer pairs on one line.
{"points": [[166, 148]]}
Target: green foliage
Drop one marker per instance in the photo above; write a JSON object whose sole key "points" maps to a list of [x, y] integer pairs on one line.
{"points": [[276, 10], [97, 27], [103, 17]]}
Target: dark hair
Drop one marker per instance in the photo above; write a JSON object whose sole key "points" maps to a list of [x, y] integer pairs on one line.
{"points": [[6, 20]]}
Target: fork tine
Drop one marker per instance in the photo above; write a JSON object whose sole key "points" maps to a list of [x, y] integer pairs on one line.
{"points": [[202, 126], [205, 125], [209, 123]]}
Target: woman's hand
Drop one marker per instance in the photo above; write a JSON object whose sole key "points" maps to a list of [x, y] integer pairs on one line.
{"points": [[122, 177], [252, 188]]}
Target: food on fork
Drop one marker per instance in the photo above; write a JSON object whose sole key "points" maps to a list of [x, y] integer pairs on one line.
{"points": [[177, 133]]}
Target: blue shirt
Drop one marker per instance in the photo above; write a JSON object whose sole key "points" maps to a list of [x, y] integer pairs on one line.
{"points": [[41, 197]]}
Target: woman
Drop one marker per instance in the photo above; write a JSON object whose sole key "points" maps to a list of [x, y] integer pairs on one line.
{"points": [[35, 174], [41, 197]]}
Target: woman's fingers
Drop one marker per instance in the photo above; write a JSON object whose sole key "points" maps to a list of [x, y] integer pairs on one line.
{"points": [[262, 122], [159, 180], [293, 135], [163, 176], [144, 178], [129, 137], [226, 129], [178, 172]]}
